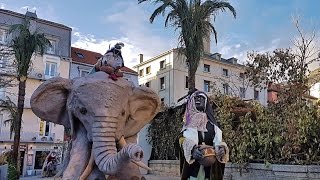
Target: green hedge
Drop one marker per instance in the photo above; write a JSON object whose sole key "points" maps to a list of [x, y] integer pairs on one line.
{"points": [[279, 133]]}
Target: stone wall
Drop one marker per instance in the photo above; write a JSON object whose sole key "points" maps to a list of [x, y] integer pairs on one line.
{"points": [[164, 167], [275, 171], [253, 171]]}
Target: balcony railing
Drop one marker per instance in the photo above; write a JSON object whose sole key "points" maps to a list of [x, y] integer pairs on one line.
{"points": [[30, 137]]}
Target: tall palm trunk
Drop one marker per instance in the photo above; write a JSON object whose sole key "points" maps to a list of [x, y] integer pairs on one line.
{"points": [[192, 77], [17, 122]]}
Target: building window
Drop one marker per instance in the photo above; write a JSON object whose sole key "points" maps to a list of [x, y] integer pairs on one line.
{"points": [[162, 64], [242, 92], [162, 83], [52, 49], [206, 68], [186, 83], [147, 84], [206, 86], [42, 127], [40, 158], [51, 69], [141, 72], [256, 94], [226, 88], [2, 93], [83, 73], [148, 70], [80, 55], [3, 36], [225, 72]]}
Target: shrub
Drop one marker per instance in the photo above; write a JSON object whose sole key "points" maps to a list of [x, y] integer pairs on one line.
{"points": [[280, 133]]}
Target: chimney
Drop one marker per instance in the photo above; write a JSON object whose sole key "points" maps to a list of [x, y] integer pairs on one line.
{"points": [[206, 42], [140, 58], [206, 45], [233, 60], [216, 56]]}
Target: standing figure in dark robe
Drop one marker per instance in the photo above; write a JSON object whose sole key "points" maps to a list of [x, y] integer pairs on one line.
{"points": [[200, 132]]}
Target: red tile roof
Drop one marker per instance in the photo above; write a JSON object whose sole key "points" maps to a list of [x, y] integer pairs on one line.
{"points": [[126, 69], [90, 57]]}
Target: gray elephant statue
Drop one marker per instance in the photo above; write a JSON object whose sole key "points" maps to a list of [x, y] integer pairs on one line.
{"points": [[105, 117]]}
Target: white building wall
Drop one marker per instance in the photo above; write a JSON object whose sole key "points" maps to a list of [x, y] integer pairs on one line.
{"points": [[176, 72]]}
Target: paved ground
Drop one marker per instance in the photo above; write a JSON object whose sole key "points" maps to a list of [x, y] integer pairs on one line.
{"points": [[148, 177]]}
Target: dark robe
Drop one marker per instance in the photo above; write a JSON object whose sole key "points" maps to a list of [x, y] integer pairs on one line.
{"points": [[214, 172]]}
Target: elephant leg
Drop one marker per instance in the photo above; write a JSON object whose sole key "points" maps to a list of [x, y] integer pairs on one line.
{"points": [[96, 174], [79, 154]]}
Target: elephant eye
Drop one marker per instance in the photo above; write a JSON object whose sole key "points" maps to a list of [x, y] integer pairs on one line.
{"points": [[83, 110]]}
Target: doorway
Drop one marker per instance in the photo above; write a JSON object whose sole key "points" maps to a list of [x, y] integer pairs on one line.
{"points": [[21, 161]]}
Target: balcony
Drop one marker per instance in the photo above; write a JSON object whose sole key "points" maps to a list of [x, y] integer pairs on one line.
{"points": [[31, 137]]}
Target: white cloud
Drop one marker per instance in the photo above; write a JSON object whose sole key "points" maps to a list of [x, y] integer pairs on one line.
{"points": [[2, 5], [132, 23], [25, 8], [129, 51], [228, 48]]}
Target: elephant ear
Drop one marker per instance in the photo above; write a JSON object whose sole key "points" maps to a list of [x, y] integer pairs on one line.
{"points": [[49, 101], [144, 104]]}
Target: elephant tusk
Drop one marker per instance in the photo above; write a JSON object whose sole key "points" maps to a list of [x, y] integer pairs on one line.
{"points": [[122, 143], [88, 169], [140, 164]]}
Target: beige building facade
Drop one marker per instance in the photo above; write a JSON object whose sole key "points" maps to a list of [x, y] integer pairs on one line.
{"points": [[167, 74], [38, 137]]}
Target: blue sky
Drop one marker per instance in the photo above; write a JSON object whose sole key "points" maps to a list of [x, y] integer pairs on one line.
{"points": [[261, 25]]}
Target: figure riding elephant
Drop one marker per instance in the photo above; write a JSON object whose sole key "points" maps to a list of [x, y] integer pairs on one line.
{"points": [[104, 116]]}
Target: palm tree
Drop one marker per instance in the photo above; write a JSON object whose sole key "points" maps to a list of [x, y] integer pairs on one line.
{"points": [[9, 106], [192, 19], [24, 44]]}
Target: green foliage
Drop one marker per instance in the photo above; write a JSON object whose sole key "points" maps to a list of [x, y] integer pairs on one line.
{"points": [[9, 106], [13, 174], [163, 132], [279, 133], [3, 159], [7, 158], [24, 44]]}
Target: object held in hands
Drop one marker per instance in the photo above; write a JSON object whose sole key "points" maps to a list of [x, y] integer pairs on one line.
{"points": [[209, 155]]}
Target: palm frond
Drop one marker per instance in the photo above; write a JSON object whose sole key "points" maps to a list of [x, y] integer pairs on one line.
{"points": [[214, 6], [214, 33], [9, 106]]}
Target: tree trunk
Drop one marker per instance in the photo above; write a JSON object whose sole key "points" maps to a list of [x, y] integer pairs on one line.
{"points": [[191, 78], [17, 122], [192, 74]]}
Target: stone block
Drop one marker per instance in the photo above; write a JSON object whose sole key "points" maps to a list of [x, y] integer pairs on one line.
{"points": [[313, 169], [289, 168]]}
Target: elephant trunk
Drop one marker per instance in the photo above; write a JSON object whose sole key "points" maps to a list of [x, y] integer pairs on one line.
{"points": [[104, 146]]}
